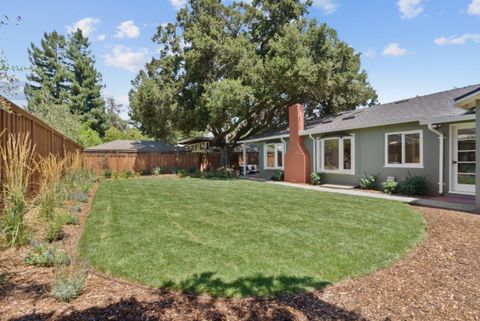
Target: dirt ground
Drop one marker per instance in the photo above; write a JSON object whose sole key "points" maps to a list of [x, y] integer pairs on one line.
{"points": [[438, 280]]}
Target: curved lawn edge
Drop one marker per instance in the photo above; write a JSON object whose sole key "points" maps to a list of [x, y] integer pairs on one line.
{"points": [[112, 241]]}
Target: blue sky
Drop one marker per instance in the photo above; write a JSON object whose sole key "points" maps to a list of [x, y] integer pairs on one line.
{"points": [[409, 47]]}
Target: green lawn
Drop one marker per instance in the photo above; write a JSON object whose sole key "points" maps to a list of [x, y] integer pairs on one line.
{"points": [[241, 238]]}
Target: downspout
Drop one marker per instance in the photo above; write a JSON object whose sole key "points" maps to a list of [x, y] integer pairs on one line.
{"points": [[441, 156], [314, 153], [284, 147]]}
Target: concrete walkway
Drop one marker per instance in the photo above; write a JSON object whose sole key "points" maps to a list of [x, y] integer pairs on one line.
{"points": [[404, 199]]}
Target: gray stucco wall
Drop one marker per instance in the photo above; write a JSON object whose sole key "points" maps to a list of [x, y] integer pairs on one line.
{"points": [[370, 156]]}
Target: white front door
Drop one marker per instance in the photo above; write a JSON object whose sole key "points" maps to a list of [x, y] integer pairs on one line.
{"points": [[463, 158]]}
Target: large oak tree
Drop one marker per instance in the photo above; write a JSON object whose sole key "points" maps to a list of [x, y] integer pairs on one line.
{"points": [[233, 70]]}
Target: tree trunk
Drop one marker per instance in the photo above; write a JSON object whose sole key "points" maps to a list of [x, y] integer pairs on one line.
{"points": [[225, 155]]}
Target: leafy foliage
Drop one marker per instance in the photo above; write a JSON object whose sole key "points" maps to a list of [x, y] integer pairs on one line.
{"points": [[368, 182], [232, 69], [43, 255], [278, 176], [67, 285], [157, 171], [414, 185], [390, 186], [315, 178]]}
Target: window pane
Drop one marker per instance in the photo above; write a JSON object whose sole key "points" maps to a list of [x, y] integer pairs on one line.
{"points": [[466, 145], [347, 153], [394, 143], [412, 148], [466, 133], [331, 154], [270, 155], [280, 155], [466, 156], [466, 168], [466, 179]]}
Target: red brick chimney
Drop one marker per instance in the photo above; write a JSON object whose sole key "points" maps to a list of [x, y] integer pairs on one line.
{"points": [[297, 160]]}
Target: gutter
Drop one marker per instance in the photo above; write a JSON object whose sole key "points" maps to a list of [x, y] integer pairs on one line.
{"points": [[441, 156], [314, 153]]}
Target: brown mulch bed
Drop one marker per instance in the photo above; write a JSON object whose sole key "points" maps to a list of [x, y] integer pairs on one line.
{"points": [[438, 280]]}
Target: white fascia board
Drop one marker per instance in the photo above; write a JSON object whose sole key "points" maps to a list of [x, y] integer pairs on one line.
{"points": [[262, 139]]}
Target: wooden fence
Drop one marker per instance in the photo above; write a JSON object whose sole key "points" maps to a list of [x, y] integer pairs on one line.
{"points": [[145, 162], [14, 120]]}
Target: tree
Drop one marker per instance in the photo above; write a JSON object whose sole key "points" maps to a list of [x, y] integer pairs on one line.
{"points": [[85, 82], [113, 114], [48, 76], [9, 82], [234, 69]]}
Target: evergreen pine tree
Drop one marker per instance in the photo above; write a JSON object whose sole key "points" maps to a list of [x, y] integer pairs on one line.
{"points": [[85, 82], [47, 81]]}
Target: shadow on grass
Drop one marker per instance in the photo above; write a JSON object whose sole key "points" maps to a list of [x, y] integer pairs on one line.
{"points": [[259, 285]]}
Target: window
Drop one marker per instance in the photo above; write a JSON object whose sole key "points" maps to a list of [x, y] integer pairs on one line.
{"points": [[336, 155], [273, 156], [403, 149]]}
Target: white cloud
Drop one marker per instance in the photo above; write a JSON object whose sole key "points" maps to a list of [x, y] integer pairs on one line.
{"points": [[127, 29], [178, 4], [474, 8], [101, 37], [394, 50], [87, 25], [410, 8], [327, 6], [460, 40], [126, 58]]}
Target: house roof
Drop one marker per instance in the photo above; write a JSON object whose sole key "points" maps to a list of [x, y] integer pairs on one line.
{"points": [[419, 108], [135, 146]]}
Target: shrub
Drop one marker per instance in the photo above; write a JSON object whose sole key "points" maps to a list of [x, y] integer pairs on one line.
{"points": [[50, 194], [16, 162], [182, 173], [390, 186], [414, 185], [315, 178], [114, 175], [156, 171], [278, 176], [368, 182], [54, 230], [175, 170], [78, 196], [128, 174], [42, 255], [107, 173], [68, 285]]}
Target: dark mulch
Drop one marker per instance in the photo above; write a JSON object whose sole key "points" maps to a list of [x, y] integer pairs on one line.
{"points": [[439, 280]]}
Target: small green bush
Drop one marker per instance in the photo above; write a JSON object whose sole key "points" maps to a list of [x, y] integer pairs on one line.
{"points": [[67, 286], [78, 196], [107, 173], [156, 171], [72, 219], [54, 230], [368, 182], [278, 176], [182, 173], [315, 178], [175, 170], [390, 186], [42, 255], [414, 185], [115, 175], [128, 174]]}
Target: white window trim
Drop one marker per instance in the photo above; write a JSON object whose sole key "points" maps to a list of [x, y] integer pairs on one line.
{"points": [[404, 164], [321, 157], [276, 167]]}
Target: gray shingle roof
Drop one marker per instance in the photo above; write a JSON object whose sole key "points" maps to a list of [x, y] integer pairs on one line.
{"points": [[135, 146], [407, 110]]}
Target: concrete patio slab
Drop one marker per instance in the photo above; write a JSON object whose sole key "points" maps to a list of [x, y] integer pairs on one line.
{"points": [[404, 199]]}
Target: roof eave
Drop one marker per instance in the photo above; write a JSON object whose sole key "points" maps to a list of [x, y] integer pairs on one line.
{"points": [[262, 139]]}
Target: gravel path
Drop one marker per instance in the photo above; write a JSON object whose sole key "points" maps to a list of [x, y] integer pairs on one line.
{"points": [[439, 280]]}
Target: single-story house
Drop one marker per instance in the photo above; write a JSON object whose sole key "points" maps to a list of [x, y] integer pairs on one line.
{"points": [[432, 136]]}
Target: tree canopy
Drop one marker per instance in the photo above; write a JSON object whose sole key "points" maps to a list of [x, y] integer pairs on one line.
{"points": [[233, 69]]}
